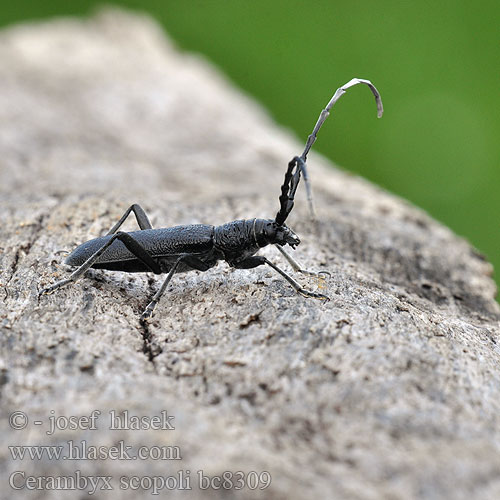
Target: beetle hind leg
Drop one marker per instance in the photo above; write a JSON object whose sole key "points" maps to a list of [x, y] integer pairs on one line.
{"points": [[130, 243], [140, 216]]}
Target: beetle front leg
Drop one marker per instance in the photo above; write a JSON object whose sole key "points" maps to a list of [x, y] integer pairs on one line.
{"points": [[259, 260], [297, 267], [132, 245]]}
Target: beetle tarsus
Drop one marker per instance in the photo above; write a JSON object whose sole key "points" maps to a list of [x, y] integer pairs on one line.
{"points": [[314, 295], [51, 289], [148, 312]]}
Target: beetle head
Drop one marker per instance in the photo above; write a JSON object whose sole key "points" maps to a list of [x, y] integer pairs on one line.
{"points": [[279, 234], [286, 235]]}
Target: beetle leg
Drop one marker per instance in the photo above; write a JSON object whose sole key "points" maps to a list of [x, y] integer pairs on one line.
{"points": [[297, 267], [309, 195], [190, 260], [148, 312], [196, 263], [132, 245], [258, 260], [140, 216]]}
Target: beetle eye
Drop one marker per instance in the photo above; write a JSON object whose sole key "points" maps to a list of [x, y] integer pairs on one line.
{"points": [[272, 230]]}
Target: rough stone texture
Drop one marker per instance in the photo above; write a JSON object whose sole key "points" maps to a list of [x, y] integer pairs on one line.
{"points": [[389, 391]]}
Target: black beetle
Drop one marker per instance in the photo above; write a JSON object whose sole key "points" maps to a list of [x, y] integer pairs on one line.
{"points": [[200, 246]]}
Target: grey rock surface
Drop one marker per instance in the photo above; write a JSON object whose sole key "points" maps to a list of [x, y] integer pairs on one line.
{"points": [[389, 391]]}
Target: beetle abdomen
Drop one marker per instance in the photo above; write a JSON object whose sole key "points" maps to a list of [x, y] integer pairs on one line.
{"points": [[164, 242]]}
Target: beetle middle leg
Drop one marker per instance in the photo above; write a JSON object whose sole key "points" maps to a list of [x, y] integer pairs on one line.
{"points": [[132, 245], [192, 261], [151, 306], [259, 260]]}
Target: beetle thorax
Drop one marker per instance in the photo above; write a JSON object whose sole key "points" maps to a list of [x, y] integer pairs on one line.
{"points": [[242, 238]]}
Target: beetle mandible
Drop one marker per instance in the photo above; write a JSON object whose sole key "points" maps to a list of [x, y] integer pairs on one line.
{"points": [[200, 246]]}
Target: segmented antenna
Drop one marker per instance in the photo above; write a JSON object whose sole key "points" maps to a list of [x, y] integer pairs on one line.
{"points": [[288, 189], [322, 117]]}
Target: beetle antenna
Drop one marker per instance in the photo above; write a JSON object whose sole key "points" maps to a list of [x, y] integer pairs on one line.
{"points": [[322, 117], [288, 189]]}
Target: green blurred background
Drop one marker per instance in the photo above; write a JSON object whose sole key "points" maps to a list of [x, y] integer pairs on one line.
{"points": [[436, 65]]}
